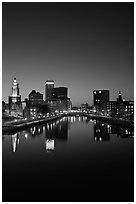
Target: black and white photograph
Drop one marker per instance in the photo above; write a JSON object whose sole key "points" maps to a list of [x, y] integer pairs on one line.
{"points": [[67, 101]]}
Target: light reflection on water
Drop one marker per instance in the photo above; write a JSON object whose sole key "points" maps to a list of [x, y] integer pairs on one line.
{"points": [[58, 130], [76, 150]]}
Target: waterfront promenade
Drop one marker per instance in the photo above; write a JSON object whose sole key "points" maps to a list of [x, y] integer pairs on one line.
{"points": [[20, 124]]}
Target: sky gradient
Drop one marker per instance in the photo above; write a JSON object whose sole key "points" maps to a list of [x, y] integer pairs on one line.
{"points": [[83, 46]]}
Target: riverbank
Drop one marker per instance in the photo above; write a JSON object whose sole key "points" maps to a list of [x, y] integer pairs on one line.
{"points": [[110, 120], [22, 124], [15, 126]]}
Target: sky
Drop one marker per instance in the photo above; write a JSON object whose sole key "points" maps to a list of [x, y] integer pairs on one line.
{"points": [[82, 46]]}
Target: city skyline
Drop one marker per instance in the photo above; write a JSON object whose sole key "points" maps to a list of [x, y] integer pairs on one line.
{"points": [[82, 46], [45, 98]]}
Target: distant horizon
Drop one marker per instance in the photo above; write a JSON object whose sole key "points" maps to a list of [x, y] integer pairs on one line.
{"points": [[82, 46]]}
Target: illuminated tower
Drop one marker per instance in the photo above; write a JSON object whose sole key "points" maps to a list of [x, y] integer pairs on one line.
{"points": [[15, 106], [15, 91], [49, 85]]}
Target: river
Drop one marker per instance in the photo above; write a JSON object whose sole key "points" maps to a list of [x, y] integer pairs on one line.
{"points": [[70, 159]]}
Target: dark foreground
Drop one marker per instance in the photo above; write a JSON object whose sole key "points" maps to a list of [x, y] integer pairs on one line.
{"points": [[71, 159]]}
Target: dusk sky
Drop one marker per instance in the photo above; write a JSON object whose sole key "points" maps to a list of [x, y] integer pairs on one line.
{"points": [[83, 46]]}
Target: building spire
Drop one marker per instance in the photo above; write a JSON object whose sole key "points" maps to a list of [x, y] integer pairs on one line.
{"points": [[120, 96], [15, 88]]}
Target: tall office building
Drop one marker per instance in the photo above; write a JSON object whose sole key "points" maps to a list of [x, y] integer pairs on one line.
{"points": [[15, 97], [100, 99], [60, 93], [15, 106], [49, 85]]}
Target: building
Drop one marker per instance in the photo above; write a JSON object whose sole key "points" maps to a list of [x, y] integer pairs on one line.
{"points": [[35, 105], [69, 104], [100, 98], [15, 97], [60, 105], [125, 108], [15, 106], [49, 85], [59, 100], [121, 108], [129, 107], [120, 105], [85, 107], [60, 93], [57, 97], [35, 97], [111, 107], [3, 107]]}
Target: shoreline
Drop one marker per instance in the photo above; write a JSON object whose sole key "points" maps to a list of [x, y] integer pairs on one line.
{"points": [[16, 126], [24, 125]]}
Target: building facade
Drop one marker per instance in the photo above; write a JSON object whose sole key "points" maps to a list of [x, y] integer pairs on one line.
{"points": [[111, 107], [121, 108], [49, 85], [100, 98], [59, 100], [35, 105], [3, 107], [60, 93], [35, 97], [15, 106]]}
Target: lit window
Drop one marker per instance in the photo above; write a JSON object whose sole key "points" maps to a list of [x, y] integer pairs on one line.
{"points": [[94, 92], [99, 91]]}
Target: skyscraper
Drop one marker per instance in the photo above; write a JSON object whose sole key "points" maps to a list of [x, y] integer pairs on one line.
{"points": [[49, 85], [60, 93], [100, 99], [15, 97], [15, 106]]}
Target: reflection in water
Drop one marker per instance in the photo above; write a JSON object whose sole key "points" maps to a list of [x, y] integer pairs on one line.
{"points": [[26, 136], [50, 155], [15, 141], [102, 131], [58, 131], [124, 133], [49, 145], [35, 131]]}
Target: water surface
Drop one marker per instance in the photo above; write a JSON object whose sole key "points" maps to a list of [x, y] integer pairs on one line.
{"points": [[71, 159]]}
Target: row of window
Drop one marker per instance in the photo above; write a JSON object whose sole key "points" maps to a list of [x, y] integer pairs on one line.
{"points": [[98, 92], [130, 107]]}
